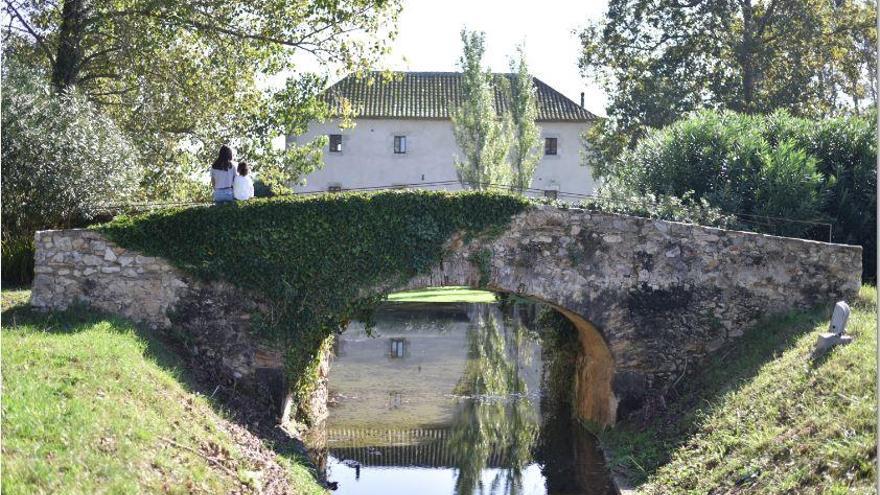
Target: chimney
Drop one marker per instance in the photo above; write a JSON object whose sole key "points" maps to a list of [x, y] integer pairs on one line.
{"points": [[582, 99]]}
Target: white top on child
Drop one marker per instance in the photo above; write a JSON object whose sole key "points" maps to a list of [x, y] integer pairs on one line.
{"points": [[242, 187]]}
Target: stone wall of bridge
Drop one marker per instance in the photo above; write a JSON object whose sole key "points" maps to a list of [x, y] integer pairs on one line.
{"points": [[651, 299]]}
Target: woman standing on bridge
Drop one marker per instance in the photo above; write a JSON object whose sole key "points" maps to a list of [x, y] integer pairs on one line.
{"points": [[223, 175]]}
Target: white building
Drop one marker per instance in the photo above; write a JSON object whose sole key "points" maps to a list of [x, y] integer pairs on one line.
{"points": [[403, 137]]}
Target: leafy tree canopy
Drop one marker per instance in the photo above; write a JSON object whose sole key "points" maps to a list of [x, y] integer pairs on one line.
{"points": [[63, 161], [182, 77], [658, 59]]}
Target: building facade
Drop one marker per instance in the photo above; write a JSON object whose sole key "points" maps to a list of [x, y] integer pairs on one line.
{"points": [[403, 138]]}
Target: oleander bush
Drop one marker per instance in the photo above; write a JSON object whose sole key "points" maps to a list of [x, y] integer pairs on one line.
{"points": [[765, 166], [63, 163], [321, 261]]}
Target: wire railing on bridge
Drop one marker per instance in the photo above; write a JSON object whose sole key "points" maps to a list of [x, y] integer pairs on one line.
{"points": [[822, 231]]}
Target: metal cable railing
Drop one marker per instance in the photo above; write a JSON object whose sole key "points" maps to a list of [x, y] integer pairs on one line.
{"points": [[578, 200]]}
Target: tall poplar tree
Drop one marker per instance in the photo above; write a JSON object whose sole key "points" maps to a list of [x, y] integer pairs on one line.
{"points": [[481, 133], [524, 151]]}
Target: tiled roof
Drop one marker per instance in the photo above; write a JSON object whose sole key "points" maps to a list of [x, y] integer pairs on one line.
{"points": [[433, 95]]}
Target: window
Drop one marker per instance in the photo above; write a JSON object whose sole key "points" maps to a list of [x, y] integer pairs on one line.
{"points": [[550, 146], [334, 188], [335, 143], [399, 145], [551, 194], [398, 348]]}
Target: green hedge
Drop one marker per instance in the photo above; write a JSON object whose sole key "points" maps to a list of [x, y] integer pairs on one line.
{"points": [[766, 165], [17, 263], [316, 259]]}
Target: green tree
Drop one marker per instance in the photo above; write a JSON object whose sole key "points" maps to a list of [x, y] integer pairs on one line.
{"points": [[481, 133], [658, 59], [63, 164], [182, 77], [525, 152]]}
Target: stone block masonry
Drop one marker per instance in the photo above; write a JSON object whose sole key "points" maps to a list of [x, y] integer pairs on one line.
{"points": [[211, 320], [651, 299]]}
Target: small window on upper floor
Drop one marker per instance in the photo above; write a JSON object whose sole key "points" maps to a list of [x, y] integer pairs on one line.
{"points": [[399, 145], [550, 144], [335, 143]]}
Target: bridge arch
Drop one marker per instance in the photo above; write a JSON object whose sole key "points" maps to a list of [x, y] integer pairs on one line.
{"points": [[651, 299]]}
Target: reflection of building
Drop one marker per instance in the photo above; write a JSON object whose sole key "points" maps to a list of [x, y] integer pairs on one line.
{"points": [[396, 410], [405, 375], [417, 447]]}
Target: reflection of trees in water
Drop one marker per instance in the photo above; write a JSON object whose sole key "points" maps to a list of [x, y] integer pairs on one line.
{"points": [[497, 417]]}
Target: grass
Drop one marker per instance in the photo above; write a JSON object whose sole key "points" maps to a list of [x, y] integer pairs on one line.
{"points": [[92, 405], [444, 295], [765, 418]]}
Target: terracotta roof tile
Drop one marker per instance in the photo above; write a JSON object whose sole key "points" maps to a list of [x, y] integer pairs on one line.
{"points": [[433, 95]]}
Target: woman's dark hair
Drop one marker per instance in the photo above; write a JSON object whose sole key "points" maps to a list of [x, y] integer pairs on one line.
{"points": [[243, 168], [224, 160]]}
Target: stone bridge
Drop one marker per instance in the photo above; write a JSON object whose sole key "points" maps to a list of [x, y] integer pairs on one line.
{"points": [[651, 299]]}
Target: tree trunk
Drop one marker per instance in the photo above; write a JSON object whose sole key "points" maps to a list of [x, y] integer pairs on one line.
{"points": [[70, 52], [746, 53]]}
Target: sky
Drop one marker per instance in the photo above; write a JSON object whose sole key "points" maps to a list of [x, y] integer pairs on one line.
{"points": [[429, 39]]}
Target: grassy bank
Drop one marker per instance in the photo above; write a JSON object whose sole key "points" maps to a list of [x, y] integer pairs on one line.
{"points": [[765, 418], [444, 295], [90, 405]]}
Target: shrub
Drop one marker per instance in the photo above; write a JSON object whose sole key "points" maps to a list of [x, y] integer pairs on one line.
{"points": [[764, 166], [63, 162], [615, 198], [17, 265]]}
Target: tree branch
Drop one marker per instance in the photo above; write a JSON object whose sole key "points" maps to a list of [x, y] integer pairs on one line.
{"points": [[41, 42]]}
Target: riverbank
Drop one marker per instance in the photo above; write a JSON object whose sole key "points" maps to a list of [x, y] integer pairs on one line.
{"points": [[92, 404], [764, 418]]}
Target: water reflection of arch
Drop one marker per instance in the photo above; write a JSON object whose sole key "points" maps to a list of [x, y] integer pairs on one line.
{"points": [[595, 369]]}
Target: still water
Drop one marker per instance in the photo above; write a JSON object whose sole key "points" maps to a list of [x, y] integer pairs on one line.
{"points": [[456, 398]]}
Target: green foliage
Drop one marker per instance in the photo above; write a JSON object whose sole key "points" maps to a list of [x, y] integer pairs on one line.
{"points": [[483, 259], [789, 186], [660, 59], [774, 166], [620, 199], [765, 418], [482, 134], [63, 162], [17, 260], [181, 78], [91, 405], [320, 261], [525, 150]]}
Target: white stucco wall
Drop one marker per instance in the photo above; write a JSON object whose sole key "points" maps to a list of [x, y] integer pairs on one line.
{"points": [[367, 159]]}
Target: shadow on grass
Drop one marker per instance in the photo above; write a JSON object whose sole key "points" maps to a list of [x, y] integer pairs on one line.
{"points": [[168, 354], [638, 445]]}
